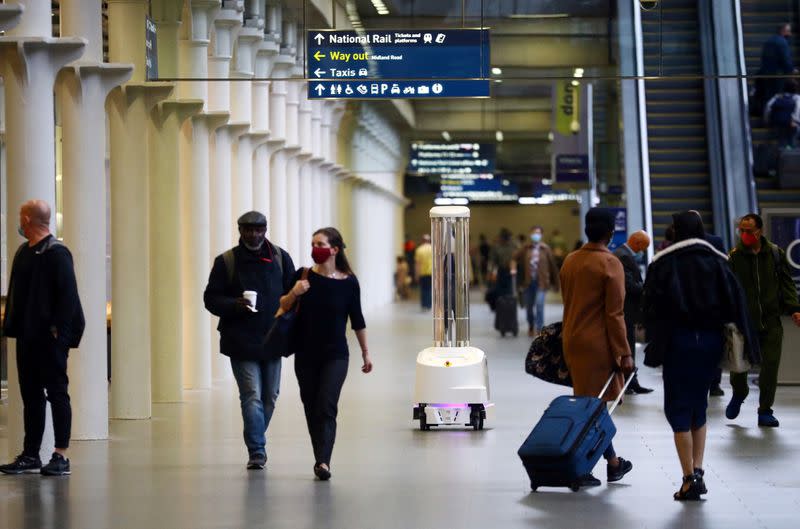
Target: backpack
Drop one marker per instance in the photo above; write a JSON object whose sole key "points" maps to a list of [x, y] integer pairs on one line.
{"points": [[230, 261], [783, 107]]}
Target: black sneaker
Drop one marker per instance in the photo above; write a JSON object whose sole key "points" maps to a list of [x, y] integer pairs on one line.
{"points": [[58, 466], [22, 465], [616, 473], [257, 462], [716, 391]]}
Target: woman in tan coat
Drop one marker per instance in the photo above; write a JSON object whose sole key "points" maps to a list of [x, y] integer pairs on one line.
{"points": [[595, 343]]}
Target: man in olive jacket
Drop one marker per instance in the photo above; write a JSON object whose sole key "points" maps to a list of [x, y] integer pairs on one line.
{"points": [[537, 272], [763, 271]]}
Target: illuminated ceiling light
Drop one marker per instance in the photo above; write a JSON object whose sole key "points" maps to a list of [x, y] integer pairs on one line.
{"points": [[550, 136], [380, 7], [575, 83], [579, 72], [498, 135], [446, 135], [497, 71], [543, 15]]}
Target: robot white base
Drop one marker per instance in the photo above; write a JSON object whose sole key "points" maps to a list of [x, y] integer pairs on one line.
{"points": [[452, 388]]}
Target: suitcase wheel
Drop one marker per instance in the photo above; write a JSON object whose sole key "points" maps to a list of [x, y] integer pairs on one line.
{"points": [[503, 334], [534, 486], [575, 486]]}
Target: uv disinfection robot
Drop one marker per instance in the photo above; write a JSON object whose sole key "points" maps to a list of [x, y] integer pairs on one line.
{"points": [[452, 379]]}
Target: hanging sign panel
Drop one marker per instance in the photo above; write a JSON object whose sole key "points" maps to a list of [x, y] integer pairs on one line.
{"points": [[150, 50], [427, 158], [457, 59]]}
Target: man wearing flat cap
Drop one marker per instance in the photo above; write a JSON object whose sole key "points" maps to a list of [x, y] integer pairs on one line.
{"points": [[264, 271]]}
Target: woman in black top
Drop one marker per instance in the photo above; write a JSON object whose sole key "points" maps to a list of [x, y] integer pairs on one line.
{"points": [[329, 296]]}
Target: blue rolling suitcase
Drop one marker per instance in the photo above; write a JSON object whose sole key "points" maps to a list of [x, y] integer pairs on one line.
{"points": [[569, 440]]}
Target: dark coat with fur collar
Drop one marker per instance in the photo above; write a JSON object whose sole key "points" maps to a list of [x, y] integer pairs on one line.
{"points": [[690, 285]]}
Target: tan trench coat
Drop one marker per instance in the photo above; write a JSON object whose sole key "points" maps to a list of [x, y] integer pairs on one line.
{"points": [[593, 288]]}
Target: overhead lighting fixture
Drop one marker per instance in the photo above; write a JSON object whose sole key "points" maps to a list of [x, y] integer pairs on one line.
{"points": [[380, 7], [541, 15], [578, 72], [451, 201], [550, 136], [498, 136], [497, 71], [575, 83], [446, 135]]}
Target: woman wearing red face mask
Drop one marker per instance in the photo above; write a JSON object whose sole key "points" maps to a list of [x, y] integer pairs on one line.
{"points": [[330, 296]]}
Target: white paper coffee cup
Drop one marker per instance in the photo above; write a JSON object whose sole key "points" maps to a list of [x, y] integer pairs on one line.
{"points": [[251, 295]]}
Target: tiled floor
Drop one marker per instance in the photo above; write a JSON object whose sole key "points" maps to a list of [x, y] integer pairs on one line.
{"points": [[184, 468]]}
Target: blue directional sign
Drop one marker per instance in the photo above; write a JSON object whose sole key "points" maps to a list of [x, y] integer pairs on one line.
{"points": [[432, 158], [456, 59], [484, 188], [397, 89]]}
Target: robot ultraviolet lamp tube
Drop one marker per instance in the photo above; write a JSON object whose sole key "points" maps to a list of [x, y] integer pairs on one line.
{"points": [[452, 377]]}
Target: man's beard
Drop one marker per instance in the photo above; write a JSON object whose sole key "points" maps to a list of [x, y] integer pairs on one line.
{"points": [[253, 248]]}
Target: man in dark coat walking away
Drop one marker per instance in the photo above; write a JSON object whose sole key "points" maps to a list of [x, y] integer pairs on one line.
{"points": [[636, 245], [776, 60], [255, 267], [44, 314]]}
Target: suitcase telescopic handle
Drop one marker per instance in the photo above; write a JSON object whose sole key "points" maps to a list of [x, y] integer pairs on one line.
{"points": [[621, 393]]}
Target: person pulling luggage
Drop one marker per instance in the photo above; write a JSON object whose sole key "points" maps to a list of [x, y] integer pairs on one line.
{"points": [[595, 342]]}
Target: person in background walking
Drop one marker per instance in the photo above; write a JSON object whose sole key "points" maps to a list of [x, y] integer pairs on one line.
{"points": [[782, 114], [484, 248], [627, 255], [776, 60], [689, 295], [763, 270], [539, 273], [501, 258], [328, 297], [401, 278], [423, 266]]}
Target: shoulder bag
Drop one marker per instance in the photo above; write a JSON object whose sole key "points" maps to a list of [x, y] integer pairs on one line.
{"points": [[276, 341]]}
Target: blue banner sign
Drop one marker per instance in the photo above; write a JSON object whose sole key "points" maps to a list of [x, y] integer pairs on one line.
{"points": [[150, 49], [398, 54], [481, 188], [451, 159], [620, 228], [572, 169], [397, 89]]}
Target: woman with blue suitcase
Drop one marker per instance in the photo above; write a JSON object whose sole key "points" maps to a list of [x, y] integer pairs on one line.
{"points": [[594, 333], [689, 295]]}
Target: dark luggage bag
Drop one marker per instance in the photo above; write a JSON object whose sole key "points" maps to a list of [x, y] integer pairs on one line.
{"points": [[789, 169], [505, 313], [765, 160], [569, 440]]}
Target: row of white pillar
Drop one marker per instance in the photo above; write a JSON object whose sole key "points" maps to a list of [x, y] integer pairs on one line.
{"points": [[186, 159]]}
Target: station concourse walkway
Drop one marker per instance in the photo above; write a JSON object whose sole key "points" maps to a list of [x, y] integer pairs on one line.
{"points": [[185, 467]]}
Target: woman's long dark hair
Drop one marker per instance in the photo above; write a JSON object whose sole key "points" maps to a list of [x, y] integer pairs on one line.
{"points": [[336, 241]]}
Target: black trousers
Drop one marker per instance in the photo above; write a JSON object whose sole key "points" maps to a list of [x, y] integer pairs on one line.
{"points": [[42, 369], [630, 331], [320, 386]]}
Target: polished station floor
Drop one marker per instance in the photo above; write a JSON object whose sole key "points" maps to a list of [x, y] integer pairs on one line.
{"points": [[185, 467]]}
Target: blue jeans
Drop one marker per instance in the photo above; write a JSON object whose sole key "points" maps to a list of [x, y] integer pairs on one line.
{"points": [[259, 385], [534, 298]]}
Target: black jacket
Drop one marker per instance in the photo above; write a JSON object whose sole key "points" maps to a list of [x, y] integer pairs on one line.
{"points": [[634, 284], [54, 304], [242, 334], [690, 285]]}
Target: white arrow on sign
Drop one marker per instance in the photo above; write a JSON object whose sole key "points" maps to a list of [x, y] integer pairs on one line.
{"points": [[319, 38], [318, 72], [319, 88]]}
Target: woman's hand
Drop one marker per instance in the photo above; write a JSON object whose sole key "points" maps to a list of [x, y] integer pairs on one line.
{"points": [[300, 288], [367, 367]]}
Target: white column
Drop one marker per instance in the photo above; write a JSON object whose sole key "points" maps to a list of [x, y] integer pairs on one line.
{"points": [[265, 57], [196, 196], [242, 112], [219, 101], [295, 158], [129, 115], [29, 61], [278, 229], [82, 93]]}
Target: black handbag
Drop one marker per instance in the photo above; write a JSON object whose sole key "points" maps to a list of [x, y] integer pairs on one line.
{"points": [[654, 353], [545, 359], [277, 339]]}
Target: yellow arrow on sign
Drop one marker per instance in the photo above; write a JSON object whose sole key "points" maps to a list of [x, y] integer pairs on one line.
{"points": [[319, 55]]}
